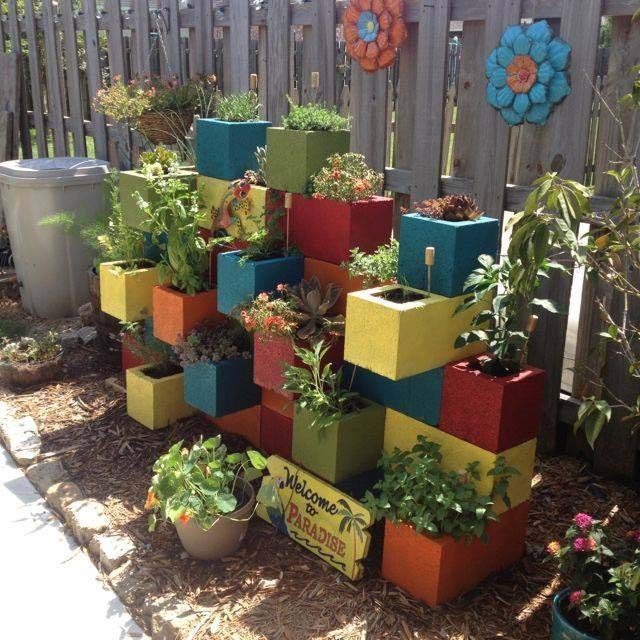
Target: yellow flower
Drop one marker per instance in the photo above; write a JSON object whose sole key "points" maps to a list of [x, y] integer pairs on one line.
{"points": [[553, 548]]}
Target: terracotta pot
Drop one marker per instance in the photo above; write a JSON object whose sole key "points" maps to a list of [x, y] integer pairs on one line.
{"points": [[225, 535], [165, 127], [561, 628], [26, 375]]}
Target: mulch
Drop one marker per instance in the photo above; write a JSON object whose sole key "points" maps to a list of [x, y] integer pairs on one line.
{"points": [[272, 588]]}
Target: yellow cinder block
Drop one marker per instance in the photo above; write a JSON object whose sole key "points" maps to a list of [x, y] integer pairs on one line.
{"points": [[246, 208], [126, 293], [156, 402], [402, 432], [398, 340]]}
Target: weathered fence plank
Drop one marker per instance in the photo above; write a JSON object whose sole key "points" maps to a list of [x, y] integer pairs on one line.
{"points": [[143, 49], [278, 41], [115, 41], [170, 39], [34, 71], [239, 32]]}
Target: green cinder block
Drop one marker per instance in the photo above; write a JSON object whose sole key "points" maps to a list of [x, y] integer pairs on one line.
{"points": [[346, 448], [294, 156]]}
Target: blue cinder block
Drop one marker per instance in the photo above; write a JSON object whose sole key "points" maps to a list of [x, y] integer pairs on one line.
{"points": [[153, 250], [221, 388], [225, 150], [357, 486], [417, 396], [153, 343], [238, 282], [458, 246]]}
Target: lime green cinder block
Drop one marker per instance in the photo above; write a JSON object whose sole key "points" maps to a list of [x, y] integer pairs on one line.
{"points": [[349, 446], [402, 432], [398, 340]]}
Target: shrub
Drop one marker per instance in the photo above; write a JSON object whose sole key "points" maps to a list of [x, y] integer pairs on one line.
{"points": [[32, 349], [239, 107], [455, 208], [375, 268], [346, 178], [158, 162], [212, 344], [314, 117]]}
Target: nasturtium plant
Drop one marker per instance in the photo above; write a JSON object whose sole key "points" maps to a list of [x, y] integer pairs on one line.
{"points": [[375, 268]]}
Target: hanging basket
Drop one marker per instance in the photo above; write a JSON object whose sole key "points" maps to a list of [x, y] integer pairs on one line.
{"points": [[27, 375], [165, 127]]}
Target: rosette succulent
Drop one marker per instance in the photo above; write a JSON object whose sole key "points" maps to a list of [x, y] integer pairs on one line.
{"points": [[527, 73]]}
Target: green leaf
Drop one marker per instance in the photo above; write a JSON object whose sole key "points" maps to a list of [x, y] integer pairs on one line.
{"points": [[257, 459]]}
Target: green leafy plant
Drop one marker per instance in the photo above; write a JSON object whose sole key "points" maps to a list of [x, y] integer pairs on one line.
{"points": [[258, 176], [375, 268], [453, 208], [122, 102], [603, 578], [31, 349], [159, 162], [320, 388], [239, 107], [313, 117], [417, 491], [204, 483], [158, 355], [270, 313], [211, 344], [346, 178]]}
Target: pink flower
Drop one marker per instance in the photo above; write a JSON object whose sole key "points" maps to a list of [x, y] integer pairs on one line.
{"points": [[584, 545], [263, 297], [575, 597], [281, 287], [583, 520]]}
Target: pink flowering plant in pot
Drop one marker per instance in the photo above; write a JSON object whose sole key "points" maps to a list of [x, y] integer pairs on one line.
{"points": [[603, 579]]}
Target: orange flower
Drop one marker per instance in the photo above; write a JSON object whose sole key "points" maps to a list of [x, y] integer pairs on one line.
{"points": [[184, 518], [151, 502], [553, 548]]}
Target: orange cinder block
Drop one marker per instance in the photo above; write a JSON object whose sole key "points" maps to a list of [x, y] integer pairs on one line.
{"points": [[277, 402], [245, 423], [328, 273]]}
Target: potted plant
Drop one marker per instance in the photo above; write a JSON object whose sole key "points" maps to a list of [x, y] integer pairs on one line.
{"points": [[290, 316], [186, 300], [226, 145], [344, 211], [336, 433], [397, 331], [602, 575], [297, 150], [206, 493], [218, 369], [442, 537], [510, 390], [132, 345], [30, 360], [458, 231]]}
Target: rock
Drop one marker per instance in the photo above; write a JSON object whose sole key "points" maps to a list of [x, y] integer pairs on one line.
{"points": [[86, 519], [46, 473], [87, 334], [172, 619], [130, 585], [68, 338], [62, 494], [85, 312], [111, 550], [20, 437]]}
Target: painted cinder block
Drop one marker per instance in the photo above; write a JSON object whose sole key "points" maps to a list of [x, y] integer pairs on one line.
{"points": [[245, 423], [238, 282], [135, 181], [402, 432], [458, 246], [437, 570], [293, 157], [276, 433], [221, 388], [347, 447], [357, 486], [491, 412], [399, 340], [176, 313], [272, 352], [277, 402], [126, 294], [418, 397], [329, 273], [130, 353], [226, 150], [156, 402], [327, 229]]}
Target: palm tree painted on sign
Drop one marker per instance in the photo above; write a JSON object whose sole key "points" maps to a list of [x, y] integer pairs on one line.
{"points": [[351, 521]]}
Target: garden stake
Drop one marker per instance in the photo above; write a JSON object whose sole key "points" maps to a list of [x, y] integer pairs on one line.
{"points": [[253, 81], [287, 205], [353, 376], [532, 323], [429, 260], [315, 83]]}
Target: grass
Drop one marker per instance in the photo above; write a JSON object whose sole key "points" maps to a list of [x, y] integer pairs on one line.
{"points": [[91, 152]]}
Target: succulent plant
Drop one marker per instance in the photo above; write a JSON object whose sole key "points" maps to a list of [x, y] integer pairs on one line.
{"points": [[313, 306], [258, 176], [455, 208]]}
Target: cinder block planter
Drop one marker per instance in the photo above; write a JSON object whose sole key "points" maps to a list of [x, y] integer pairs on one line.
{"points": [[277, 402], [328, 273], [245, 423], [176, 314], [437, 570], [156, 402], [418, 397], [511, 406], [126, 294], [276, 433], [272, 352], [239, 282], [402, 339], [327, 229], [357, 486], [226, 150], [458, 246], [221, 388], [129, 353], [135, 181], [294, 156], [346, 448], [402, 432]]}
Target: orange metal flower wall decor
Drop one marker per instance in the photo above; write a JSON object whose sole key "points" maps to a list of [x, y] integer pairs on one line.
{"points": [[373, 29]]}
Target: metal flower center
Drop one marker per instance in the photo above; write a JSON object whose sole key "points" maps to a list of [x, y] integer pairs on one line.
{"points": [[522, 74]]}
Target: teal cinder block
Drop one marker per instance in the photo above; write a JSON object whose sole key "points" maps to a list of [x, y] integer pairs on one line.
{"points": [[418, 396], [458, 246], [225, 150]]}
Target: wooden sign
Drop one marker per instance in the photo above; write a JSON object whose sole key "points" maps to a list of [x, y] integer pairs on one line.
{"points": [[315, 514]]}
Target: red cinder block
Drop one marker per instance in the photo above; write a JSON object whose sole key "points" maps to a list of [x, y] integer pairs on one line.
{"points": [[128, 349], [493, 413], [328, 229], [271, 351], [276, 433]]}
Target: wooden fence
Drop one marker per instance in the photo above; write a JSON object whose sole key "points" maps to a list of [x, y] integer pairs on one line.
{"points": [[430, 135]]}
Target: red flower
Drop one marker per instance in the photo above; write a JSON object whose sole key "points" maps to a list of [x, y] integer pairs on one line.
{"points": [[184, 518], [575, 597]]}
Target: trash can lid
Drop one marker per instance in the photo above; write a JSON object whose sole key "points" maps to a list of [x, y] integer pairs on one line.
{"points": [[49, 170]]}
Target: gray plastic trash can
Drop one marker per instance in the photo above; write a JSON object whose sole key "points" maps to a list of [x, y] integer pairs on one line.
{"points": [[51, 263]]}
